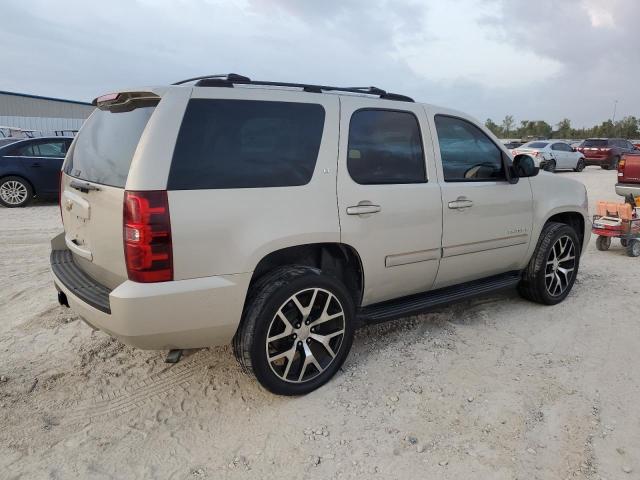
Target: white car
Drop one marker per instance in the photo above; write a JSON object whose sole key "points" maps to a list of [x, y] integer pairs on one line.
{"points": [[553, 155]]}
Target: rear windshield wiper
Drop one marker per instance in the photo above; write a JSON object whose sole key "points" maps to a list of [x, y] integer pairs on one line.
{"points": [[83, 186]]}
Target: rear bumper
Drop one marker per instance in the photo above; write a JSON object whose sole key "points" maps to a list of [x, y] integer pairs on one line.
{"points": [[625, 189], [192, 313]]}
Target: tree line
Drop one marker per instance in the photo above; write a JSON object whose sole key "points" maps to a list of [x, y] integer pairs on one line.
{"points": [[628, 127]]}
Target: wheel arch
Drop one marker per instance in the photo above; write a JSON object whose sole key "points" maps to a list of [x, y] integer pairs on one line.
{"points": [[573, 219], [336, 259]]}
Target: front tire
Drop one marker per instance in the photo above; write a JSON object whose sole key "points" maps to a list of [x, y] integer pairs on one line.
{"points": [[296, 331], [580, 165], [15, 192], [552, 270]]}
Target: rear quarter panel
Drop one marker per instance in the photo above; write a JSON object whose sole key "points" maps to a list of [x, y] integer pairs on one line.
{"points": [[631, 172]]}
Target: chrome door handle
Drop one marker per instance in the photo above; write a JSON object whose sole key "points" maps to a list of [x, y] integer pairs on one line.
{"points": [[363, 209], [460, 203]]}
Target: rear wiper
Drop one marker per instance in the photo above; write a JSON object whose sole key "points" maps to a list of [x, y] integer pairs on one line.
{"points": [[83, 186]]}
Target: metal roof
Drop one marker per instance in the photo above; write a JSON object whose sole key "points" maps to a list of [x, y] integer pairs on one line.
{"points": [[39, 97]]}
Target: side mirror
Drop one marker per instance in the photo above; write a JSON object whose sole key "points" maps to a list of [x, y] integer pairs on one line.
{"points": [[574, 149], [524, 166]]}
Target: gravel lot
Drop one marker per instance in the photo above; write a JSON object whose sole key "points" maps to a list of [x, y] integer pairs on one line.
{"points": [[495, 388]]}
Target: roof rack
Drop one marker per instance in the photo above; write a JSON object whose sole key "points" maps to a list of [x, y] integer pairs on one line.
{"points": [[231, 79]]}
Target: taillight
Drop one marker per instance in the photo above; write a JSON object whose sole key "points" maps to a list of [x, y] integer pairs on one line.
{"points": [[621, 164], [147, 236], [60, 195], [605, 149]]}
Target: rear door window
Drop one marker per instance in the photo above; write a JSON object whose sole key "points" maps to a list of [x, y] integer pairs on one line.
{"points": [[105, 146], [385, 147], [54, 149], [246, 144], [468, 154]]}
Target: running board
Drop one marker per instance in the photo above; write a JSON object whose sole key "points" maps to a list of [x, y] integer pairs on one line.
{"points": [[415, 304]]}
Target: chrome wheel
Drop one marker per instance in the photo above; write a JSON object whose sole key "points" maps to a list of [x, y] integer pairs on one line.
{"points": [[560, 266], [13, 192], [305, 335]]}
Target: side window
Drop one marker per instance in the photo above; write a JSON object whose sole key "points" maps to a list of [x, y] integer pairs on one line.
{"points": [[468, 155], [25, 151], [557, 146], [246, 144], [385, 147], [51, 149]]}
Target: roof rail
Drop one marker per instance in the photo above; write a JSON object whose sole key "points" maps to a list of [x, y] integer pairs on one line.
{"points": [[231, 79]]}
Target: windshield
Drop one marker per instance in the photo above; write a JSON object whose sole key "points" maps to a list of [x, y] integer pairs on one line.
{"points": [[595, 143], [105, 146]]}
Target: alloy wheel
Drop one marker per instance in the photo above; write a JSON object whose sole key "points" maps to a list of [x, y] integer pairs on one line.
{"points": [[305, 335], [13, 192], [560, 266]]}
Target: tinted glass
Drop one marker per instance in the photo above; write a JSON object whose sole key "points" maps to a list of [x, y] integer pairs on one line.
{"points": [[385, 147], [594, 143], [467, 153], [535, 145], [24, 151], [51, 149], [246, 144], [105, 146]]}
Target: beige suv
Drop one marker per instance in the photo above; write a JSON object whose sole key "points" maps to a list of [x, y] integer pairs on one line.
{"points": [[280, 217]]}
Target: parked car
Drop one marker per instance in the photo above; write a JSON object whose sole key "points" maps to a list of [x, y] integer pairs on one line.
{"points": [[281, 218], [552, 155], [605, 152], [629, 175], [31, 167], [511, 145]]}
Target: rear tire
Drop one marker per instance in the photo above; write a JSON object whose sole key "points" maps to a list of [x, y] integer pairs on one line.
{"points": [[550, 166], [552, 270], [15, 192], [603, 243], [296, 331], [580, 165], [633, 248]]}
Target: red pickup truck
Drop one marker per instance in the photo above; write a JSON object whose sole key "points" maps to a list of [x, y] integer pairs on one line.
{"points": [[629, 175]]}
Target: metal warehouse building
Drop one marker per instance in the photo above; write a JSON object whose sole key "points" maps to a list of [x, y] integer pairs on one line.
{"points": [[43, 115]]}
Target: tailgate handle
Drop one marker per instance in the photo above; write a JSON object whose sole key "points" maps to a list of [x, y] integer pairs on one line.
{"points": [[83, 186]]}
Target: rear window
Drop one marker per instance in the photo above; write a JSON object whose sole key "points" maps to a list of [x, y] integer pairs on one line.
{"points": [[535, 145], [246, 144], [105, 146], [594, 143]]}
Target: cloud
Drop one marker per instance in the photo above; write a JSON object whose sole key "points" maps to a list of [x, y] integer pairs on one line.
{"points": [[537, 60]]}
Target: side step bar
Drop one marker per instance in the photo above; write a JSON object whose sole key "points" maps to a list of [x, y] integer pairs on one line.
{"points": [[415, 304]]}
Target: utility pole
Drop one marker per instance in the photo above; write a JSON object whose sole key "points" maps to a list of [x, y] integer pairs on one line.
{"points": [[615, 105]]}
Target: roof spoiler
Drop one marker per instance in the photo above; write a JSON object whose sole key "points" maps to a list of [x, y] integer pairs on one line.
{"points": [[126, 101]]}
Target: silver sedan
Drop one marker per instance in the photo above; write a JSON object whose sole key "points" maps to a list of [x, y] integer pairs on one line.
{"points": [[552, 155]]}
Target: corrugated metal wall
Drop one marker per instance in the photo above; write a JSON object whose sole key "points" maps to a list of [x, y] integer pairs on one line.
{"points": [[44, 115]]}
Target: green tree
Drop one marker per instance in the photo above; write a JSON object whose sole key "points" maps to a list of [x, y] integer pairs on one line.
{"points": [[564, 128], [494, 127], [507, 124]]}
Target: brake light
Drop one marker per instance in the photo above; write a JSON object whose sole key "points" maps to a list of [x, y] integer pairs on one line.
{"points": [[148, 249], [621, 164], [60, 195]]}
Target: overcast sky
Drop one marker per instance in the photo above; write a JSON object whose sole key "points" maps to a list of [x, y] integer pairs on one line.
{"points": [[539, 59]]}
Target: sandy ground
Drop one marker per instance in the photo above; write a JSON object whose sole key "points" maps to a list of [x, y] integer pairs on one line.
{"points": [[496, 388]]}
